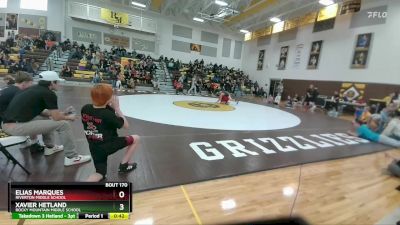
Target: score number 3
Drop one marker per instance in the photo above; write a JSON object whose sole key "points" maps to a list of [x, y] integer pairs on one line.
{"points": [[121, 195]]}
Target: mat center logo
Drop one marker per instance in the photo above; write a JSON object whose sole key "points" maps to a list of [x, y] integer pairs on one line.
{"points": [[204, 106]]}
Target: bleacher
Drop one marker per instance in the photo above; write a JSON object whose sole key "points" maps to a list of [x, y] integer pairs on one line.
{"points": [[83, 74], [39, 55], [73, 63]]}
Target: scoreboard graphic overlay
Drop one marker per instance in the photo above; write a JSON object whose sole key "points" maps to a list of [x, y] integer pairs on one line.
{"points": [[51, 200]]}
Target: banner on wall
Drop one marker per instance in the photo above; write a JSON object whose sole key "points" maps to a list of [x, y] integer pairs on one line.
{"points": [[115, 40], [32, 21], [297, 59], [324, 25], [283, 57], [114, 17], [353, 91], [79, 34], [260, 62], [12, 21], [50, 35], [315, 52], [361, 51], [350, 6], [195, 47], [29, 32], [143, 45]]}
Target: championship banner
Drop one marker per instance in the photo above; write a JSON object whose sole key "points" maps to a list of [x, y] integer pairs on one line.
{"points": [[79, 34], [353, 91], [195, 47], [114, 17], [115, 40], [50, 35], [32, 21], [350, 6], [29, 32]]}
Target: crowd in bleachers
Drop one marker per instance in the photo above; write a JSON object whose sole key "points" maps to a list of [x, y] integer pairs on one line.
{"points": [[197, 76], [139, 69], [107, 65], [13, 54]]}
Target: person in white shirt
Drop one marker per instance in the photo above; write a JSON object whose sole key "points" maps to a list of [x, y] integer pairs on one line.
{"points": [[193, 86]]}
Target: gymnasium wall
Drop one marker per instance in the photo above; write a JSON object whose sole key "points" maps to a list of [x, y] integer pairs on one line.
{"points": [[55, 14], [170, 38], [372, 90], [101, 29], [216, 47], [337, 51]]}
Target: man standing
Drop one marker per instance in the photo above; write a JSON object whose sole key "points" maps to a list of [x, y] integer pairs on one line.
{"points": [[24, 117], [22, 82], [193, 86]]}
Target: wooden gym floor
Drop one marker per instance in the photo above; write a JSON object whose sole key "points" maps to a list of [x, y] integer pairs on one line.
{"points": [[354, 190]]}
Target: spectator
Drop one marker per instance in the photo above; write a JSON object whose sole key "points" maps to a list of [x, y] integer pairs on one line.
{"points": [[370, 132], [9, 80], [392, 130], [59, 51], [66, 71], [334, 103], [25, 116], [22, 82], [49, 64], [309, 95], [193, 86], [364, 116], [96, 77]]}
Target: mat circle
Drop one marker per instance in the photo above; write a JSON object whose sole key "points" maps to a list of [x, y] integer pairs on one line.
{"points": [[204, 106]]}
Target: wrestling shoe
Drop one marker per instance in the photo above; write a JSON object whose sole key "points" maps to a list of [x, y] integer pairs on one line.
{"points": [[51, 151], [76, 160], [126, 167]]}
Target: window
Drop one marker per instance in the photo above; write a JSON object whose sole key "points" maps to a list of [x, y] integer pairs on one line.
{"points": [[3, 3], [34, 4]]}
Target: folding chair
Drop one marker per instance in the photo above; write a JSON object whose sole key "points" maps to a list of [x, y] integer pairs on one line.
{"points": [[10, 141]]}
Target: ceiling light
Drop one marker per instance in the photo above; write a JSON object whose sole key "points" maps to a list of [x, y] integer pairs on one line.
{"points": [[198, 19], [275, 20], [221, 3], [278, 27], [326, 2], [245, 31], [139, 4]]}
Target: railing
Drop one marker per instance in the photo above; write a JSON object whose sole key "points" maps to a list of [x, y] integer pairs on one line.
{"points": [[93, 13]]}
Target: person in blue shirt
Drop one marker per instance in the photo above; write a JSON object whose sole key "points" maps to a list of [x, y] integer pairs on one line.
{"points": [[369, 131]]}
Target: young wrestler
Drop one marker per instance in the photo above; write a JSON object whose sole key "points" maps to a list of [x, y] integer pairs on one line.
{"points": [[100, 122], [224, 98]]}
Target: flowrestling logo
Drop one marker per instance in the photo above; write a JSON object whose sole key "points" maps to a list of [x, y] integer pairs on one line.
{"points": [[376, 14], [283, 144]]}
